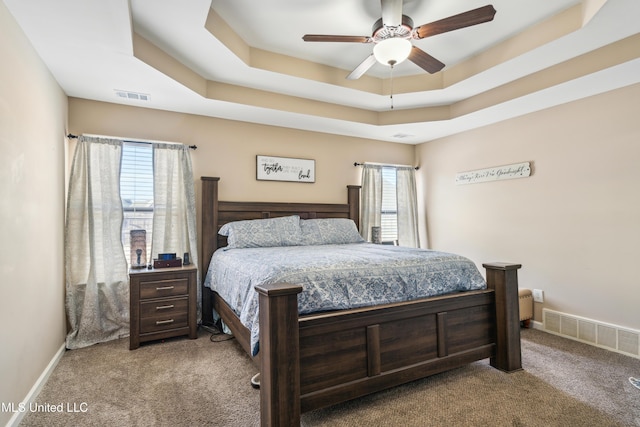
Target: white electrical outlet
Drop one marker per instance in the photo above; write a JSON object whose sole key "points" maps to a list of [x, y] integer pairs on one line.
{"points": [[538, 295]]}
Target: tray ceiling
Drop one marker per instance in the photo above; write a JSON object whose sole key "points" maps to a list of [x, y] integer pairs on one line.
{"points": [[244, 60]]}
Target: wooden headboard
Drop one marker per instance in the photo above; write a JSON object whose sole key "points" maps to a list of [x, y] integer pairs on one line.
{"points": [[216, 213]]}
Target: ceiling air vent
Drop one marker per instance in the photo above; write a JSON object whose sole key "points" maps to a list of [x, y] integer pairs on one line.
{"points": [[132, 95], [401, 135]]}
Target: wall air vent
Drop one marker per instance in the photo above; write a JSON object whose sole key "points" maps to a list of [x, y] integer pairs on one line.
{"points": [[137, 96], [604, 335]]}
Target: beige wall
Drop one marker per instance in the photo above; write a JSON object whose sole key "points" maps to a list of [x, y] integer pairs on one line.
{"points": [[574, 224], [228, 149], [33, 112]]}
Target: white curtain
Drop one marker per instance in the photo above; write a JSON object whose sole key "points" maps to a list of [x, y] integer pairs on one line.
{"points": [[174, 205], [371, 199], [407, 205], [97, 283]]}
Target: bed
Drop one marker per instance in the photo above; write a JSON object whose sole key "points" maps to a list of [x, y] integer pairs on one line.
{"points": [[315, 359]]}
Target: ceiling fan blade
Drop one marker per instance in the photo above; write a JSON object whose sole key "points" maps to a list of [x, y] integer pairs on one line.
{"points": [[362, 68], [391, 12], [455, 22], [425, 61], [334, 38]]}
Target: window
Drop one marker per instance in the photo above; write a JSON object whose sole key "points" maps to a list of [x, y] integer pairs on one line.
{"points": [[389, 201], [136, 192], [389, 217]]}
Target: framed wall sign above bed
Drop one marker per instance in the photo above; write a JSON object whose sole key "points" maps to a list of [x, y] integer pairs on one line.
{"points": [[271, 168]]}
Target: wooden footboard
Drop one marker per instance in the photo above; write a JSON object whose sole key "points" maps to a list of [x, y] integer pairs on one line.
{"points": [[320, 360]]}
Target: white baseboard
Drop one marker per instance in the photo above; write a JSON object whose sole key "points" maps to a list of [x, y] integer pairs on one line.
{"points": [[537, 325], [17, 417]]}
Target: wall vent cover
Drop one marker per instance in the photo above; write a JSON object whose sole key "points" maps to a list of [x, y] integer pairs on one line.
{"points": [[589, 331], [132, 95]]}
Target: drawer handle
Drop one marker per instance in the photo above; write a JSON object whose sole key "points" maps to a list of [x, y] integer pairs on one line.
{"points": [[164, 288], [164, 307], [164, 322]]}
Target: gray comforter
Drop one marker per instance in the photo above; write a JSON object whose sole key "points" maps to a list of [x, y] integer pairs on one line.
{"points": [[336, 277]]}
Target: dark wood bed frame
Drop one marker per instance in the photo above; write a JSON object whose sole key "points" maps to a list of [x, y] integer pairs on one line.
{"points": [[312, 361]]}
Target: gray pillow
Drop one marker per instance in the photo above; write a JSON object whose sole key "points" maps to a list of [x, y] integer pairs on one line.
{"points": [[329, 231], [259, 233]]}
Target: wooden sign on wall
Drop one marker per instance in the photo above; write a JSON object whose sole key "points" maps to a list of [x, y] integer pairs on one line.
{"points": [[517, 170], [271, 168]]}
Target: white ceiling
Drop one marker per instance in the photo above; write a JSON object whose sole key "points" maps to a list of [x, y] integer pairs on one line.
{"points": [[88, 46]]}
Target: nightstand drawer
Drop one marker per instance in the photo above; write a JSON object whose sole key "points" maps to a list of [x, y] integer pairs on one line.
{"points": [[162, 323], [164, 288], [166, 307]]}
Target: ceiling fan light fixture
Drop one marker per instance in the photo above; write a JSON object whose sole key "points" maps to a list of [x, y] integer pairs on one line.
{"points": [[392, 51]]}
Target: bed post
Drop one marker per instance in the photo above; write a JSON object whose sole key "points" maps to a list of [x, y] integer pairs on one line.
{"points": [[209, 242], [279, 355], [353, 198], [503, 279]]}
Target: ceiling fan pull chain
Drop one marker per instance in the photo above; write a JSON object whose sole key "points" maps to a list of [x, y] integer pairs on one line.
{"points": [[391, 83]]}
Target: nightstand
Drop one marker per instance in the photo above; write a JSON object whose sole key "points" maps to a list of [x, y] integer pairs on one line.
{"points": [[162, 304]]}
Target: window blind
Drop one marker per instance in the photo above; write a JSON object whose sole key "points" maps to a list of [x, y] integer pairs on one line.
{"points": [[389, 217], [136, 191]]}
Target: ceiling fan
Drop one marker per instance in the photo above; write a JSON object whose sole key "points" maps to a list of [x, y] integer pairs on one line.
{"points": [[393, 32]]}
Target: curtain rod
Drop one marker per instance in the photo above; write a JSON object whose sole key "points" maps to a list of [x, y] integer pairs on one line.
{"points": [[72, 136], [384, 164]]}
